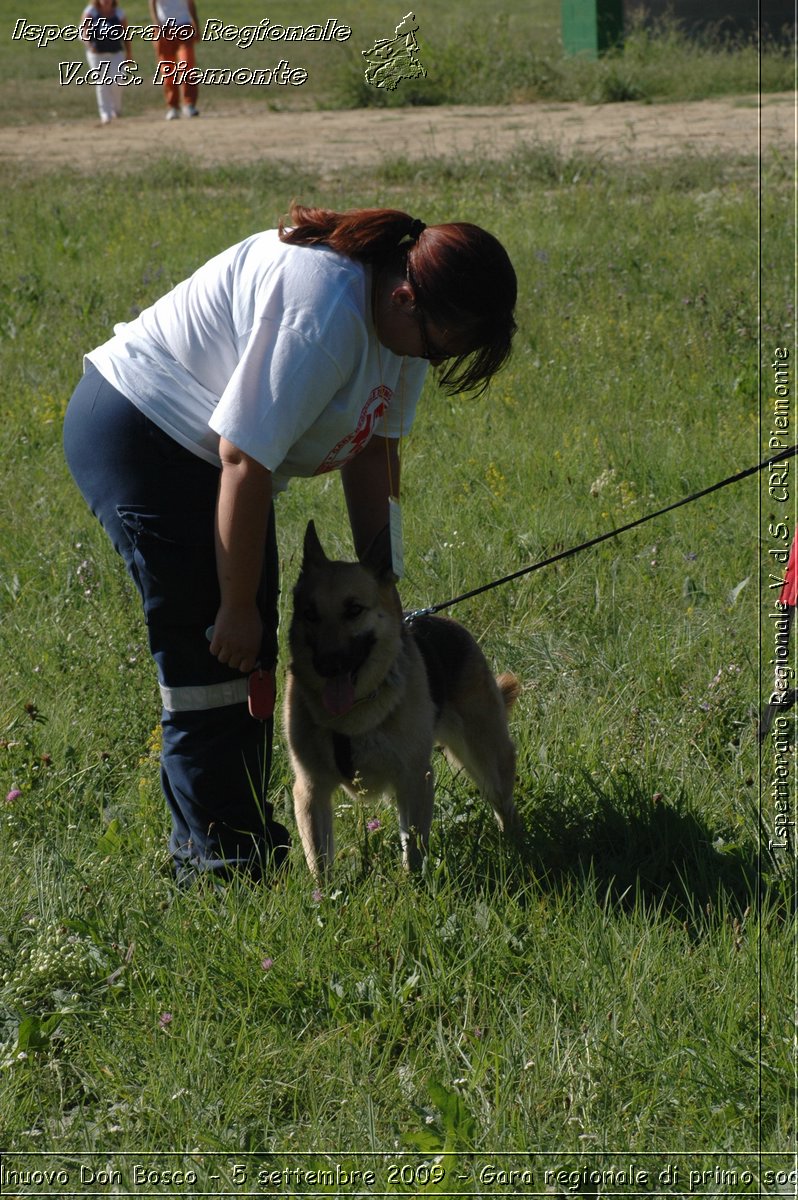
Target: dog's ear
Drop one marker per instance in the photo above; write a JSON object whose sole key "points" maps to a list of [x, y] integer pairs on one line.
{"points": [[312, 551], [378, 558]]}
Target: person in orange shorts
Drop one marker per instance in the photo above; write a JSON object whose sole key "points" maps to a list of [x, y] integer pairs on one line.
{"points": [[178, 31]]}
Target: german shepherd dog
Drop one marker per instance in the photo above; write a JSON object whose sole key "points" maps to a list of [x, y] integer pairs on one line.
{"points": [[369, 696]]}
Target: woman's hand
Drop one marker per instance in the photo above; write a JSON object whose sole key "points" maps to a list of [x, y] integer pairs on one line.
{"points": [[237, 637]]}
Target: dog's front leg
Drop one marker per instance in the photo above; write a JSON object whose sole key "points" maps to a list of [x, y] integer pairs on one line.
{"points": [[414, 800], [314, 818]]}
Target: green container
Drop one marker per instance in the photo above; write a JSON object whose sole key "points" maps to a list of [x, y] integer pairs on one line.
{"points": [[590, 27]]}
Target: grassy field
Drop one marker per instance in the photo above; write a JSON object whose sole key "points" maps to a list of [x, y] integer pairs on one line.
{"points": [[508, 54], [619, 989]]}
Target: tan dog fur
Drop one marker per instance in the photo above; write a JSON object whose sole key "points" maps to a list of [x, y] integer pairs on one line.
{"points": [[357, 672]]}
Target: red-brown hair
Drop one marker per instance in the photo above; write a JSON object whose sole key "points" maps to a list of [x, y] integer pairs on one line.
{"points": [[462, 275]]}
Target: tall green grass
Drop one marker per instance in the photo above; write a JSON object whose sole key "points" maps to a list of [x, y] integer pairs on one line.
{"points": [[508, 56], [621, 981]]}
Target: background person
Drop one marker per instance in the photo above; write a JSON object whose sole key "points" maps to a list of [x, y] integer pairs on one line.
{"points": [[103, 28], [178, 26], [296, 352]]}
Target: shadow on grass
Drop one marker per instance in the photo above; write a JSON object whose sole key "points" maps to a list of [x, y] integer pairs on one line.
{"points": [[630, 844]]}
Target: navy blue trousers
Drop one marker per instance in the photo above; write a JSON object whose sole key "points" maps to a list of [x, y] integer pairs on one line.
{"points": [[157, 501]]}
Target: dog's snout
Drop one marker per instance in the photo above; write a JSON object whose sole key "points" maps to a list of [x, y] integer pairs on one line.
{"points": [[330, 663], [331, 659]]}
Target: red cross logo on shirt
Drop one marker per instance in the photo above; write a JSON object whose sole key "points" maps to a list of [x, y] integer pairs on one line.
{"points": [[350, 445]]}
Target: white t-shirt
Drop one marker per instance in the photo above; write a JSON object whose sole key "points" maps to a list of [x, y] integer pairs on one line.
{"points": [[272, 347]]}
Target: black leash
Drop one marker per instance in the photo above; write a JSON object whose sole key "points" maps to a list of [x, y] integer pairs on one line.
{"points": [[547, 562]]}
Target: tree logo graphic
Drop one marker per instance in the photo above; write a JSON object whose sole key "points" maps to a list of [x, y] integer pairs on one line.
{"points": [[390, 60]]}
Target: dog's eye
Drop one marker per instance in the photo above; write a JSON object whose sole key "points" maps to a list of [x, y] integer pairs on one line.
{"points": [[310, 614], [353, 609]]}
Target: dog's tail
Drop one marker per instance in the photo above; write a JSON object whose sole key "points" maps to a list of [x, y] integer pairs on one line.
{"points": [[510, 688]]}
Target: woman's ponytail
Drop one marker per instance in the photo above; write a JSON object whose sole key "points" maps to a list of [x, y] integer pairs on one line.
{"points": [[366, 234]]}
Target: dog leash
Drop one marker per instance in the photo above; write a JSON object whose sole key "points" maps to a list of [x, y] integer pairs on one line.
{"points": [[547, 562]]}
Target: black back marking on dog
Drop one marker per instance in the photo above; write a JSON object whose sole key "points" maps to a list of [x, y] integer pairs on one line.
{"points": [[443, 645]]}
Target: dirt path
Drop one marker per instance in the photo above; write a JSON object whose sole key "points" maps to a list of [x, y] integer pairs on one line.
{"points": [[326, 141]]}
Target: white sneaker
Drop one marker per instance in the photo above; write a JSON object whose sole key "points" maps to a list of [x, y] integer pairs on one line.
{"points": [[172, 114], [190, 110]]}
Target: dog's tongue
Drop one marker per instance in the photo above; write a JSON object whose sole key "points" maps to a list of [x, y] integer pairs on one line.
{"points": [[339, 695]]}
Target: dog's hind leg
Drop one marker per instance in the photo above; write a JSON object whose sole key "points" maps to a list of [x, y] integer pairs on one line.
{"points": [[493, 772], [314, 818], [415, 797], [476, 737], [496, 779]]}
